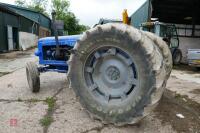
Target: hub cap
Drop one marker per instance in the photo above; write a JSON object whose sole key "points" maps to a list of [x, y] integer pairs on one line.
{"points": [[110, 74], [113, 73]]}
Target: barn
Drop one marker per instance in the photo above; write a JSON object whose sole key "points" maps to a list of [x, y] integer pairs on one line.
{"points": [[21, 27]]}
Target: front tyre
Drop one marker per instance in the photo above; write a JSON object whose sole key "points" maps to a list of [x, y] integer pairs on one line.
{"points": [[33, 78]]}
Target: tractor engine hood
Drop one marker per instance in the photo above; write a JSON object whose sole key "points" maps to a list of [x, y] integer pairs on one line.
{"points": [[63, 40]]}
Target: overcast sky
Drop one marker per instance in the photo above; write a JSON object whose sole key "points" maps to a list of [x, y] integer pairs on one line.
{"points": [[90, 11]]}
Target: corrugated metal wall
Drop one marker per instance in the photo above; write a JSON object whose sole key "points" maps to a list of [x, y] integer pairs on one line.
{"points": [[11, 20], [5, 20], [45, 22], [141, 15], [26, 25], [3, 44]]}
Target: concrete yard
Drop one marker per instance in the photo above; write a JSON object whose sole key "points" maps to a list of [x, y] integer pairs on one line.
{"points": [[25, 112]]}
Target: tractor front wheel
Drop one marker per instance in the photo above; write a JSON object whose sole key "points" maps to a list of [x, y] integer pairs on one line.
{"points": [[33, 77]]}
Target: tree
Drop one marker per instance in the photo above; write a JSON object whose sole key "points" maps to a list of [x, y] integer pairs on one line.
{"points": [[36, 5], [20, 3], [61, 7], [71, 23], [39, 6]]}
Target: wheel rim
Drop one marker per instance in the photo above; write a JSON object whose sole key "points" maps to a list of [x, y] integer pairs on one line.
{"points": [[110, 74]]}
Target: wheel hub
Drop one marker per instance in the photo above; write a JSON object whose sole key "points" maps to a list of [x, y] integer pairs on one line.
{"points": [[113, 73], [110, 73]]}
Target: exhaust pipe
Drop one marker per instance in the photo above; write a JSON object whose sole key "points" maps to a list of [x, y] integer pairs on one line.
{"points": [[57, 54]]}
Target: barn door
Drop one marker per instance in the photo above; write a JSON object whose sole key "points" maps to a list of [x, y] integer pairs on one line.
{"points": [[10, 37]]}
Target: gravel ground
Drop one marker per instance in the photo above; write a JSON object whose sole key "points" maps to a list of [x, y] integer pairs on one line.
{"points": [[22, 111]]}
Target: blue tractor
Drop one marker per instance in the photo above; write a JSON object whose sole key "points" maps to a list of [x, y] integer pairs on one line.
{"points": [[47, 58], [53, 53], [118, 72]]}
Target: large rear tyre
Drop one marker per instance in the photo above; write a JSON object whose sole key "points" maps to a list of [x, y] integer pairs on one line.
{"points": [[165, 51], [118, 73], [33, 77]]}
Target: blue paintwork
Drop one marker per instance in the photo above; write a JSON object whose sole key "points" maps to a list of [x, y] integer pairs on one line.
{"points": [[55, 65], [60, 69], [63, 40]]}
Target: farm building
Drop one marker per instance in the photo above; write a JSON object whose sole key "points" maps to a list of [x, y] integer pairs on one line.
{"points": [[184, 14], [21, 27]]}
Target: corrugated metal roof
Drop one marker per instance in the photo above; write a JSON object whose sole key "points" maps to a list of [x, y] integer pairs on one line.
{"points": [[4, 8], [169, 11], [177, 11]]}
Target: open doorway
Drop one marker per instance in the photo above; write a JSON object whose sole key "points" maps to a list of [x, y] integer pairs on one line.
{"points": [[15, 38]]}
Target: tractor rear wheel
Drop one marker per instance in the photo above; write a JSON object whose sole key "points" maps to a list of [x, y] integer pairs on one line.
{"points": [[165, 51], [118, 73], [33, 76]]}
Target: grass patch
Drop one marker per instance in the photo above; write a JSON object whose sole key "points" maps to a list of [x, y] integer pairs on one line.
{"points": [[19, 100], [33, 100], [46, 121], [50, 101], [3, 73], [177, 96]]}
